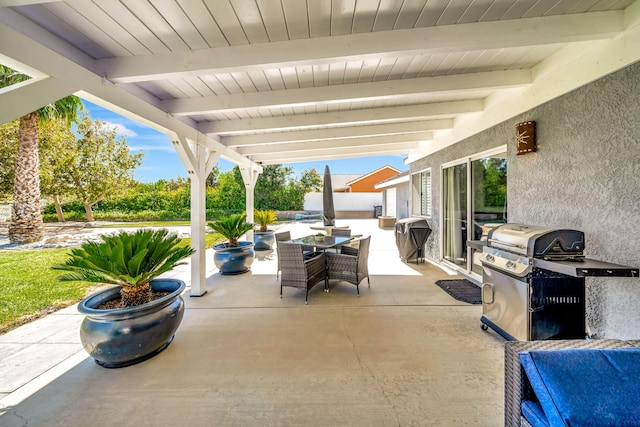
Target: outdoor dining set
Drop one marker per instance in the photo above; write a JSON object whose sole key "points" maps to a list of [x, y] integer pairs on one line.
{"points": [[304, 262]]}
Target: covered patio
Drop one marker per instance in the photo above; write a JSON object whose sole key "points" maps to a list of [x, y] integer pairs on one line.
{"points": [[275, 82], [262, 82], [403, 353]]}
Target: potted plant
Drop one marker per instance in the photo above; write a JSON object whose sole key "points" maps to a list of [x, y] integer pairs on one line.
{"points": [[233, 257], [264, 238], [138, 318]]}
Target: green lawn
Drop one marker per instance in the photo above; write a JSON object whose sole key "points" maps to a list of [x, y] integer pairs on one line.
{"points": [[210, 240], [30, 287], [145, 224]]}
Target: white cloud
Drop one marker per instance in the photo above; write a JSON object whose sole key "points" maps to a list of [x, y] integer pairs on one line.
{"points": [[151, 141], [121, 129]]}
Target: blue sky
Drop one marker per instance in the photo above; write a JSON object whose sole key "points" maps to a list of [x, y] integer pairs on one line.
{"points": [[161, 160]]}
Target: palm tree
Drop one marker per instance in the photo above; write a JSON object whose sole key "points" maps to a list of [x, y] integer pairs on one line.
{"points": [[26, 219]]}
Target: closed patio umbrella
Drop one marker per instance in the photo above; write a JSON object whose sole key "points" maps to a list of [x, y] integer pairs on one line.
{"points": [[328, 212]]}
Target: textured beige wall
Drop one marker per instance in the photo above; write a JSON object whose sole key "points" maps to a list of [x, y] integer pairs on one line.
{"points": [[586, 176]]}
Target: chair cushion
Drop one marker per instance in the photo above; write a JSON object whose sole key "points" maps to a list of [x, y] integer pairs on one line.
{"points": [[586, 387]]}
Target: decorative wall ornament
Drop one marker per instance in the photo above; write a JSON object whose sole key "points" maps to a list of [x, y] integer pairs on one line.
{"points": [[526, 137]]}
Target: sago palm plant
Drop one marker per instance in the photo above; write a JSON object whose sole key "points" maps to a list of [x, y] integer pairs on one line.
{"points": [[130, 260], [264, 218], [231, 227]]}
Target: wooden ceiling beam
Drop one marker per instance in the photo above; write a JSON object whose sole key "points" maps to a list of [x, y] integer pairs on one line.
{"points": [[361, 46], [388, 89], [436, 110]]}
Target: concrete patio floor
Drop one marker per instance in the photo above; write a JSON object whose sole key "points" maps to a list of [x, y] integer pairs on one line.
{"points": [[403, 354]]}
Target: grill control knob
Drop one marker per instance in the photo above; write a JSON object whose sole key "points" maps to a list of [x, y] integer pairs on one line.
{"points": [[510, 264], [490, 258]]}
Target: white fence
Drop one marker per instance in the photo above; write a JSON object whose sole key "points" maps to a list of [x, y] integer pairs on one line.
{"points": [[344, 202]]}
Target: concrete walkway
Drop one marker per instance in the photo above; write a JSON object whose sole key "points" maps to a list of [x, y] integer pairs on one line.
{"points": [[403, 354]]}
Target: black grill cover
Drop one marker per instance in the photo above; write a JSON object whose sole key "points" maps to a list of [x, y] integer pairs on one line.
{"points": [[411, 235]]}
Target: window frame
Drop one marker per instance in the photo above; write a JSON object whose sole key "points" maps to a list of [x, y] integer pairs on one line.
{"points": [[423, 193]]}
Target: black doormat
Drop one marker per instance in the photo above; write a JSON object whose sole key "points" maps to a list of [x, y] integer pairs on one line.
{"points": [[462, 290]]}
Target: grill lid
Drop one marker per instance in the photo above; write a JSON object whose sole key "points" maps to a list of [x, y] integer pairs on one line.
{"points": [[537, 242], [519, 249]]}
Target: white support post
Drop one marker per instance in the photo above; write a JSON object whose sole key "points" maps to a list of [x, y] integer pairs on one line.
{"points": [[249, 176], [199, 164]]}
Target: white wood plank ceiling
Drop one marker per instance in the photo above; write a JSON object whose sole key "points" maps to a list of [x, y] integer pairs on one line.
{"points": [[280, 81]]}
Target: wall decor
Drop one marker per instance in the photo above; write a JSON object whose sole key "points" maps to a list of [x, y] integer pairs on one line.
{"points": [[526, 137]]}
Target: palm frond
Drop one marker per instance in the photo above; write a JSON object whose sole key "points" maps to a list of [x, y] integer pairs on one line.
{"points": [[231, 227], [66, 109], [9, 76], [125, 259]]}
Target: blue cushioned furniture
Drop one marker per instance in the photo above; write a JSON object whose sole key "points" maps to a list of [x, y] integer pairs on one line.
{"points": [[572, 383], [583, 387]]}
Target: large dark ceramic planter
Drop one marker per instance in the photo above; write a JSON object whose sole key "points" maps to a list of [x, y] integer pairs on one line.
{"points": [[264, 240], [234, 260], [126, 336]]}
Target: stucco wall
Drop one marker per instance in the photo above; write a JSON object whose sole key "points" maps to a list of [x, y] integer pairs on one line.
{"points": [[344, 201], [585, 175]]}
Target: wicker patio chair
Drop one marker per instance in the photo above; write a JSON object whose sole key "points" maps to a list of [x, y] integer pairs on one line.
{"points": [[338, 232], [341, 232], [351, 248], [348, 267], [297, 271], [281, 237], [516, 384]]}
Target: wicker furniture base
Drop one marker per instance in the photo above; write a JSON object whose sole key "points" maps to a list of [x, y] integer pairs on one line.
{"points": [[350, 265], [516, 385], [299, 272]]}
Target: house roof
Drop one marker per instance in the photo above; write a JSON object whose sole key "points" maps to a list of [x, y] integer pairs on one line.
{"points": [[340, 182], [272, 81], [360, 178]]}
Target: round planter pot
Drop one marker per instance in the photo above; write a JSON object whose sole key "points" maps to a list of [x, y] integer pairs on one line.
{"points": [[264, 240], [125, 336], [234, 260]]}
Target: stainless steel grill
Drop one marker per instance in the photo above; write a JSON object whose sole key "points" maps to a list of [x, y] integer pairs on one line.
{"points": [[533, 282]]}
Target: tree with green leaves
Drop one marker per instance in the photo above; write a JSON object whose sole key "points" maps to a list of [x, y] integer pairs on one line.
{"points": [[53, 144], [212, 179], [310, 180], [271, 186], [8, 148], [26, 218], [57, 149], [62, 155], [276, 189], [101, 165], [229, 195]]}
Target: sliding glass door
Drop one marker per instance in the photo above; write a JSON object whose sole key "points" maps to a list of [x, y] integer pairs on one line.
{"points": [[455, 214], [474, 200]]}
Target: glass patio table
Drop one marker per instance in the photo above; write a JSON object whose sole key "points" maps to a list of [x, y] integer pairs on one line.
{"points": [[326, 242]]}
